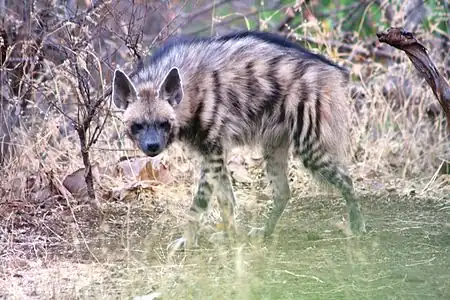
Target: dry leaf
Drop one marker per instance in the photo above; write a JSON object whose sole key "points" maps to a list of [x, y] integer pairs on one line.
{"points": [[144, 168], [75, 183], [130, 190], [36, 187], [16, 187]]}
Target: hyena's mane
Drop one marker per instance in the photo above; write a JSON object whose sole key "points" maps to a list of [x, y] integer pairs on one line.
{"points": [[280, 41], [266, 37]]}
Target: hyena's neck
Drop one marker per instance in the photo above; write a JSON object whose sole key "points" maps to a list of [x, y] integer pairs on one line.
{"points": [[194, 133]]}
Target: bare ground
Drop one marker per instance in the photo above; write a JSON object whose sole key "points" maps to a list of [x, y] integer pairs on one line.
{"points": [[405, 255]]}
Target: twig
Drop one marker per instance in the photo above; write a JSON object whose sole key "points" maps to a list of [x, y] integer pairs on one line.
{"points": [[112, 149], [231, 20], [358, 6], [433, 179], [388, 9], [290, 16], [67, 196], [304, 276], [166, 26], [205, 9], [422, 262], [417, 53]]}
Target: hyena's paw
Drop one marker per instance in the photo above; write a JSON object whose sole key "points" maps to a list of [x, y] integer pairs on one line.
{"points": [[176, 245], [187, 241], [357, 224], [181, 244], [352, 226]]}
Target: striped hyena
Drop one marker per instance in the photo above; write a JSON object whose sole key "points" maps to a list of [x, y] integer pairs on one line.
{"points": [[246, 88]]}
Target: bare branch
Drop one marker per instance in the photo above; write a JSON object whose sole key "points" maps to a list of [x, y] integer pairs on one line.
{"points": [[417, 53]]}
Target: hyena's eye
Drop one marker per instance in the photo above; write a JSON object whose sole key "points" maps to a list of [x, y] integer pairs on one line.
{"points": [[164, 125], [136, 127]]}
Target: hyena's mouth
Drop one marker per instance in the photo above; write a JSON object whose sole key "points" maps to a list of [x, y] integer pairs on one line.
{"points": [[153, 153]]}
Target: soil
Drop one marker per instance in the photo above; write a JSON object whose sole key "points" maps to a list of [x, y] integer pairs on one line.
{"points": [[405, 255]]}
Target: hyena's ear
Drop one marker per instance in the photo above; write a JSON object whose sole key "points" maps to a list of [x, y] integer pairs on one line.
{"points": [[171, 88], [123, 90]]}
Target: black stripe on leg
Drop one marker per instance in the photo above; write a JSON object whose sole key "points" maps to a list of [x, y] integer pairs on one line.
{"points": [[203, 195], [217, 169], [218, 161], [233, 99]]}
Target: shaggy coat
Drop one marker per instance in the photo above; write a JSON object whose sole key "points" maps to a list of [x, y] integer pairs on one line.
{"points": [[247, 88]]}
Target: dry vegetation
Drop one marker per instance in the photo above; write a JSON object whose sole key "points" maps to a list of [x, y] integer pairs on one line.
{"points": [[63, 239]]}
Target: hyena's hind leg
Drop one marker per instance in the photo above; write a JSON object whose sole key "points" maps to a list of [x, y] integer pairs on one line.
{"points": [[276, 169], [325, 167]]}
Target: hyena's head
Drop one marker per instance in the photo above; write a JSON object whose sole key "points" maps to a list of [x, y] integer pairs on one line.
{"points": [[149, 114]]}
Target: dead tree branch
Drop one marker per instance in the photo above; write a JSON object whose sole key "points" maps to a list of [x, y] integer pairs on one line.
{"points": [[417, 53]]}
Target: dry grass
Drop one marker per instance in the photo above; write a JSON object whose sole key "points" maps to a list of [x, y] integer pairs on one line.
{"points": [[60, 248], [404, 256]]}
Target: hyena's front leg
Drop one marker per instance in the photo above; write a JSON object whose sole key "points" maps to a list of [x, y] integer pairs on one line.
{"points": [[202, 197], [226, 199], [214, 178]]}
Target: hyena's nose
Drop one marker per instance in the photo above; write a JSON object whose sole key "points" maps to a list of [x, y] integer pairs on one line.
{"points": [[152, 148]]}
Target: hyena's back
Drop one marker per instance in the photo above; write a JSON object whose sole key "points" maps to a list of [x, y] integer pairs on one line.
{"points": [[249, 89]]}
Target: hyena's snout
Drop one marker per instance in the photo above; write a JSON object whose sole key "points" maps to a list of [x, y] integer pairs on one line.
{"points": [[152, 148], [151, 144]]}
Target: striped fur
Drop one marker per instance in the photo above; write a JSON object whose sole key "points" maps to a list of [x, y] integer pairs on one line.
{"points": [[247, 88]]}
